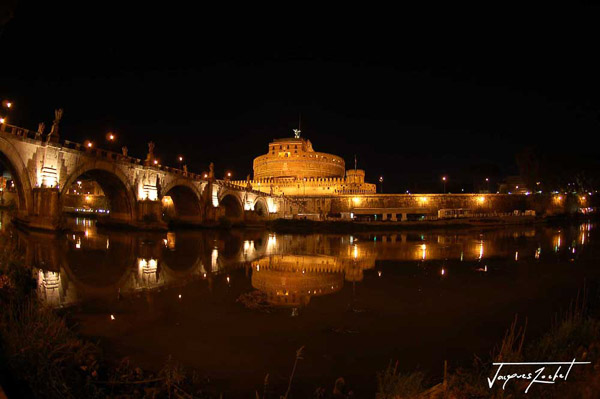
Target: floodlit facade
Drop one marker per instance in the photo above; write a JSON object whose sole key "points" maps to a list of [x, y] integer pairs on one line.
{"points": [[292, 167]]}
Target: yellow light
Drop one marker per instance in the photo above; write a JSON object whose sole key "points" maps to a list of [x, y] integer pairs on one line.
{"points": [[88, 198], [8, 105], [179, 296], [228, 280], [228, 174], [205, 175], [481, 199], [180, 158], [2, 120], [112, 316], [423, 200], [89, 144], [356, 200], [155, 161], [443, 272]]}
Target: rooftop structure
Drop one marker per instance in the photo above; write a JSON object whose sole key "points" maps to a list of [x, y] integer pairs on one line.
{"points": [[292, 167]]}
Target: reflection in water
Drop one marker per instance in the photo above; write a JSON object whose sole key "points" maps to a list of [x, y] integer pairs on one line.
{"points": [[89, 263], [291, 280], [365, 297]]}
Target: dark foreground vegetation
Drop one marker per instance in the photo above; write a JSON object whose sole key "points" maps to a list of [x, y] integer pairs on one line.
{"points": [[42, 356]]}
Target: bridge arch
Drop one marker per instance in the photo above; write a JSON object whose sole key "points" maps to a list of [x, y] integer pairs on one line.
{"points": [[232, 204], [261, 208], [10, 158], [186, 198], [113, 182]]}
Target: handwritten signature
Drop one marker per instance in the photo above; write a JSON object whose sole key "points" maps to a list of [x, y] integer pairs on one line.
{"points": [[539, 376]]}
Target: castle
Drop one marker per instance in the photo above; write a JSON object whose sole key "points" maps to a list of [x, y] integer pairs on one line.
{"points": [[293, 168]]}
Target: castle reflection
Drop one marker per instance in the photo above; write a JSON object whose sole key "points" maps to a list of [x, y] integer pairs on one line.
{"points": [[291, 280], [86, 263]]}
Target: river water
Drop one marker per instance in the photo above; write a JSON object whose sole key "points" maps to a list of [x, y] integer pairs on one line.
{"points": [[354, 302]]}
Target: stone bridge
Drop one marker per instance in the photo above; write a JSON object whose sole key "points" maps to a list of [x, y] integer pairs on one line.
{"points": [[140, 193]]}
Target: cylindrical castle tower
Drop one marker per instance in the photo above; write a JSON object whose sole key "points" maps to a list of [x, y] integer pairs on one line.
{"points": [[294, 158]]}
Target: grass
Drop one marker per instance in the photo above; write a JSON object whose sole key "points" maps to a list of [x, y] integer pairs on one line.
{"points": [[574, 334]]}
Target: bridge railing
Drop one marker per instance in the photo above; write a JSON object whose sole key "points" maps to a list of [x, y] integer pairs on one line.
{"points": [[102, 153], [235, 186], [23, 133], [18, 131]]}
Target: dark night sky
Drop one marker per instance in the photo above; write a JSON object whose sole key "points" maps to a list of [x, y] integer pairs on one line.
{"points": [[413, 95]]}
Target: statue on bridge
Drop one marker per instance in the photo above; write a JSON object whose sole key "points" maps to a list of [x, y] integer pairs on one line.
{"points": [[248, 184], [150, 156], [124, 150], [211, 171], [53, 135], [40, 131]]}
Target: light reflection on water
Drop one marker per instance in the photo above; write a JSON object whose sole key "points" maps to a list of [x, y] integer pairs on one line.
{"points": [[87, 262], [357, 300]]}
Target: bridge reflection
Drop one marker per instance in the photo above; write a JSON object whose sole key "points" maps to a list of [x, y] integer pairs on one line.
{"points": [[87, 263]]}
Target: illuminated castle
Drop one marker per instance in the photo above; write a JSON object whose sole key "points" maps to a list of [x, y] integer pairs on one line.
{"points": [[292, 167]]}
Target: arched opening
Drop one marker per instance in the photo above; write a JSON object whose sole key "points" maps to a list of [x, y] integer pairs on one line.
{"points": [[12, 189], [232, 206], [98, 192], [260, 208], [181, 202]]}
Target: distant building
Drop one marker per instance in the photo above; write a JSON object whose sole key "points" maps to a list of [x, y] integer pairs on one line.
{"points": [[292, 167]]}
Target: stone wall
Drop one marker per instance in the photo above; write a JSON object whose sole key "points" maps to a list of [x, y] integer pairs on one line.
{"points": [[429, 204]]}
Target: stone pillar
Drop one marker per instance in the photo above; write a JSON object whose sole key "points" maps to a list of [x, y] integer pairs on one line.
{"points": [[384, 216], [404, 217], [150, 215], [46, 212]]}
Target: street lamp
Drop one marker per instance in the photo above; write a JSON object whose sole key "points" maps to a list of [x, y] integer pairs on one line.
{"points": [[111, 138], [7, 104], [381, 184], [487, 181], [444, 178], [180, 160]]}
